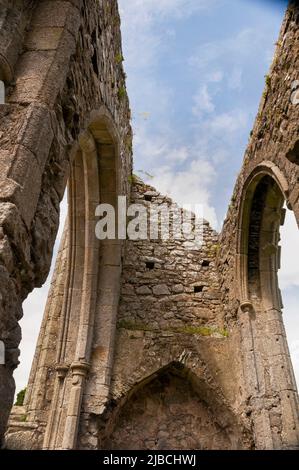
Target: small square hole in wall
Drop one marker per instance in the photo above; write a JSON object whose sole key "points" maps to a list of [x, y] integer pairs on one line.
{"points": [[198, 289], [148, 197], [150, 265], [206, 263]]}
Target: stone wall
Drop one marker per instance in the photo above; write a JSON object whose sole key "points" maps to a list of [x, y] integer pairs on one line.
{"points": [[169, 313], [168, 413], [49, 101], [170, 284], [250, 251]]}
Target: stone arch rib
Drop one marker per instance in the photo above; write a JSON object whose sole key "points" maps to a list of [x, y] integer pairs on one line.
{"points": [[265, 169], [220, 419], [89, 276], [266, 359]]}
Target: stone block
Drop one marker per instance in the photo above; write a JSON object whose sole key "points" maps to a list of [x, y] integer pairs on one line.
{"points": [[40, 75], [161, 289], [43, 39], [56, 14], [36, 134]]}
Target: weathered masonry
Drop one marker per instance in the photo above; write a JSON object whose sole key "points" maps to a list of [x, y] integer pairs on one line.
{"points": [[147, 344]]}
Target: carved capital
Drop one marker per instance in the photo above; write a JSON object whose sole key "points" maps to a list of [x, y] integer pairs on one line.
{"points": [[62, 370], [80, 368], [247, 307]]}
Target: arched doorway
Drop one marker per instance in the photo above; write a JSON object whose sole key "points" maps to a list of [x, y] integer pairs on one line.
{"points": [[271, 384], [82, 304], [172, 409]]}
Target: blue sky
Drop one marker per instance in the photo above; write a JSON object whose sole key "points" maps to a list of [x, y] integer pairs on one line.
{"points": [[195, 74], [195, 77]]}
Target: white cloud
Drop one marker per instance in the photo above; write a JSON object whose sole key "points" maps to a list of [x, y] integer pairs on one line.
{"points": [[228, 49], [229, 122], [155, 147], [203, 102], [222, 60], [189, 186], [139, 21], [177, 154], [235, 80], [152, 100], [144, 12], [216, 136], [158, 149], [215, 76]]}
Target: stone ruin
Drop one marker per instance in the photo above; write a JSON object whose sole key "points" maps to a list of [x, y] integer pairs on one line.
{"points": [[146, 344]]}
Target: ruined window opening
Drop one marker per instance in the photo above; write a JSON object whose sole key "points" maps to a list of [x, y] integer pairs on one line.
{"points": [[148, 197], [206, 263], [260, 260], [80, 247], [265, 218], [198, 289], [150, 265]]}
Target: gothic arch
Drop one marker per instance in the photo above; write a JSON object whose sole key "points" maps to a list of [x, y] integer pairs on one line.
{"points": [[174, 407], [88, 274], [267, 364], [265, 172]]}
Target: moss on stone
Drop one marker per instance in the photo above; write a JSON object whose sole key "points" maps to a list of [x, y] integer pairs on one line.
{"points": [[20, 398], [186, 329], [119, 58], [128, 325], [129, 143], [214, 250], [133, 179], [268, 81], [122, 92]]}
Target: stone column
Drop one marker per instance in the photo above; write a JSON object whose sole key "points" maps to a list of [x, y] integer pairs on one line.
{"points": [[79, 373]]}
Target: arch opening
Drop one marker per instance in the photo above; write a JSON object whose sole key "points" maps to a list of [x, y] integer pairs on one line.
{"points": [[64, 354], [263, 250], [268, 367], [172, 409]]}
